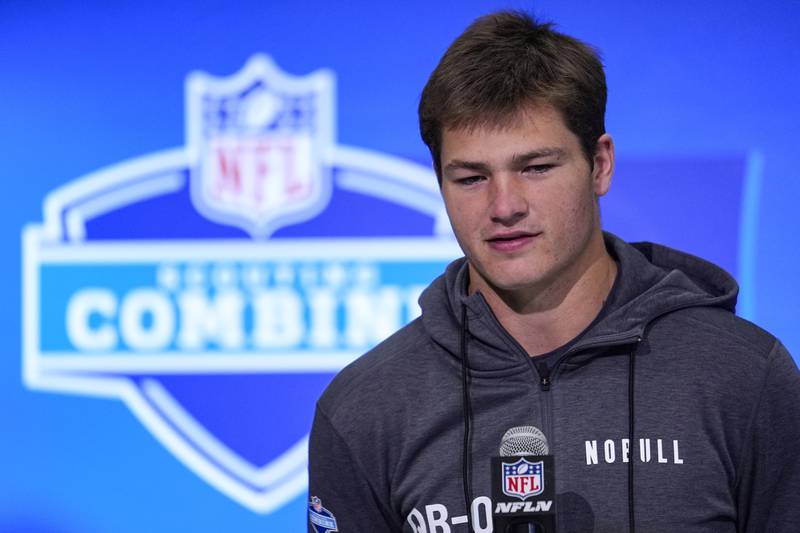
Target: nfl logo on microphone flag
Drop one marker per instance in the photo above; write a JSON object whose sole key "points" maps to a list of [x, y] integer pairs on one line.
{"points": [[523, 478]]}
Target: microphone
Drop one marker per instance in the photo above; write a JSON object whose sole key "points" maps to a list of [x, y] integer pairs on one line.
{"points": [[523, 483]]}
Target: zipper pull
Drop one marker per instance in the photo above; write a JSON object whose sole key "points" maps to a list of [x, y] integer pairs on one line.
{"points": [[544, 376]]}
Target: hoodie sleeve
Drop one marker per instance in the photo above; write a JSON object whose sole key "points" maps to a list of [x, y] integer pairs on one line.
{"points": [[769, 478], [339, 483]]}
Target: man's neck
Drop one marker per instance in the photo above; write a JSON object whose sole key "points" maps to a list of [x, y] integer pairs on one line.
{"points": [[544, 318]]}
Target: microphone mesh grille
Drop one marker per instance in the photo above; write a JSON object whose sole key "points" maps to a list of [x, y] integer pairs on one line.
{"points": [[523, 440]]}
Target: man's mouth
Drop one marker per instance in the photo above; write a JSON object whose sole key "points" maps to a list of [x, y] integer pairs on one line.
{"points": [[511, 241]]}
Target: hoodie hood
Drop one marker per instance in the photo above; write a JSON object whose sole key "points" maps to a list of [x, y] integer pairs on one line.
{"points": [[653, 280]]}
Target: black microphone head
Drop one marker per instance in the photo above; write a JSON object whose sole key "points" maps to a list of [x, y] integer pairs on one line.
{"points": [[523, 440]]}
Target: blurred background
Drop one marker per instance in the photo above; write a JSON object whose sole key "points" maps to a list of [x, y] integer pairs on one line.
{"points": [[702, 105]]}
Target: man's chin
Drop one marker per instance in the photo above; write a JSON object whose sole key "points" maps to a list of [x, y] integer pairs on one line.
{"points": [[512, 283], [502, 280]]}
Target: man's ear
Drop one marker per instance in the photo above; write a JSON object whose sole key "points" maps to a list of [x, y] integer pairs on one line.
{"points": [[603, 165]]}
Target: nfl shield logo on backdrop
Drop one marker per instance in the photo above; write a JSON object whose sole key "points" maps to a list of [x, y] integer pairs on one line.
{"points": [[523, 478], [260, 145]]}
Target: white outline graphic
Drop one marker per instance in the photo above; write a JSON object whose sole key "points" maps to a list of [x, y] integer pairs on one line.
{"points": [[61, 239]]}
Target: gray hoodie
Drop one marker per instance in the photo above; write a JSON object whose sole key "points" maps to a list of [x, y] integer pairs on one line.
{"points": [[668, 414]]}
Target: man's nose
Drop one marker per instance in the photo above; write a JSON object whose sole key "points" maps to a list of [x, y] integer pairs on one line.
{"points": [[508, 202]]}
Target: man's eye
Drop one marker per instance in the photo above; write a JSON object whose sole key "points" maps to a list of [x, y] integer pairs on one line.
{"points": [[469, 180], [537, 169]]}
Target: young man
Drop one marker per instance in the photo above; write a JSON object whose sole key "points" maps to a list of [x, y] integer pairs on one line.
{"points": [[663, 410]]}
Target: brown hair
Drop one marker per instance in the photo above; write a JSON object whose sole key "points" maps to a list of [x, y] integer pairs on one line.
{"points": [[503, 62]]}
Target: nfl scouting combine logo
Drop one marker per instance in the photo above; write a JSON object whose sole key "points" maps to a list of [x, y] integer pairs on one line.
{"points": [[322, 520], [215, 288]]}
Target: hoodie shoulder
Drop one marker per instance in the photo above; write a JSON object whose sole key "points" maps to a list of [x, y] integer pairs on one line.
{"points": [[721, 327], [386, 367]]}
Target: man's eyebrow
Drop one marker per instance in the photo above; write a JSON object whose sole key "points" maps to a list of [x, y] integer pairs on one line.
{"points": [[520, 159], [468, 165]]}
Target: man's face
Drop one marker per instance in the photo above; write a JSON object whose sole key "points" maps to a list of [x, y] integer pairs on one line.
{"points": [[522, 200]]}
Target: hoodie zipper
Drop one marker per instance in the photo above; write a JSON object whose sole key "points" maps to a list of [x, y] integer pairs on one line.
{"points": [[547, 405], [546, 374]]}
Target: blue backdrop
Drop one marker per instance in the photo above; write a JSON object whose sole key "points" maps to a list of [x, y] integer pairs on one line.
{"points": [[702, 104]]}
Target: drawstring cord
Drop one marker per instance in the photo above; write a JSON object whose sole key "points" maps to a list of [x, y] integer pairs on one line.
{"points": [[631, 442], [466, 462]]}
